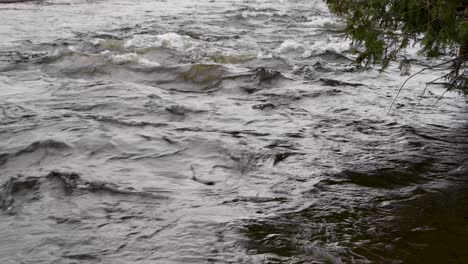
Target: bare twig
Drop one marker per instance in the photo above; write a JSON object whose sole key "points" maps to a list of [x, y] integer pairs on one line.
{"points": [[427, 85], [440, 97], [451, 87], [409, 78]]}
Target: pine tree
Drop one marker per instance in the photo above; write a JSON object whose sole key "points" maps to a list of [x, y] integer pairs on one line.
{"points": [[385, 28]]}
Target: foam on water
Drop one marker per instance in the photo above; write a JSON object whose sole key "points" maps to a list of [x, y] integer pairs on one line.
{"points": [[129, 58], [335, 44], [307, 49], [169, 41], [290, 45], [329, 23]]}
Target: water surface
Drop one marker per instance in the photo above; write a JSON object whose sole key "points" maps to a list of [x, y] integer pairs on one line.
{"points": [[218, 132]]}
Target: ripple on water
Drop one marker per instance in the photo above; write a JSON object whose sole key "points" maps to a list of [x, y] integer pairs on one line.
{"points": [[218, 132]]}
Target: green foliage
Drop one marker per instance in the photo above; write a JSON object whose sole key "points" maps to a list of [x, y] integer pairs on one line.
{"points": [[385, 27]]}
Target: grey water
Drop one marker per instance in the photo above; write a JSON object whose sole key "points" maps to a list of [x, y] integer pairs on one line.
{"points": [[219, 131]]}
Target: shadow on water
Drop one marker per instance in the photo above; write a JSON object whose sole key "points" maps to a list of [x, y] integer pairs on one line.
{"points": [[407, 173], [432, 228], [411, 213]]}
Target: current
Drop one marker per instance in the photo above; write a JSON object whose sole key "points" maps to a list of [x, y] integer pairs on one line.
{"points": [[219, 131]]}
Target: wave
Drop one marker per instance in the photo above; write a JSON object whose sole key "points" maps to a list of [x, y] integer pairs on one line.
{"points": [[125, 58], [18, 190], [47, 145], [169, 40]]}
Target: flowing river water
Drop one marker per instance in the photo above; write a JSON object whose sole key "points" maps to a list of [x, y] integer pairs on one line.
{"points": [[219, 131]]}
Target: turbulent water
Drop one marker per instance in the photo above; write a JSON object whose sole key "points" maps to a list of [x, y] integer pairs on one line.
{"points": [[219, 131]]}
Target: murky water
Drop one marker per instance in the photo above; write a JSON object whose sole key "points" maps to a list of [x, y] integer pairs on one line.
{"points": [[218, 132]]}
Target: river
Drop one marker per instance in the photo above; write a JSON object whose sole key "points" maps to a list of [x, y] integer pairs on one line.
{"points": [[219, 131]]}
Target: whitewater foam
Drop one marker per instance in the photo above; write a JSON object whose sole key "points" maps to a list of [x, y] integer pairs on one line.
{"points": [[308, 49], [290, 46], [325, 22], [169, 41], [125, 58]]}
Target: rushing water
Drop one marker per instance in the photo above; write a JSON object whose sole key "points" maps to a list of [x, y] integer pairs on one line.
{"points": [[218, 132]]}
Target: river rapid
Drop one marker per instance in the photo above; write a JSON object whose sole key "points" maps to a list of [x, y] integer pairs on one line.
{"points": [[219, 131]]}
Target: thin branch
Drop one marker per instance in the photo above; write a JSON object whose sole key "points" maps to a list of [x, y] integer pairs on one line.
{"points": [[440, 97], [409, 78], [451, 87], [427, 85]]}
